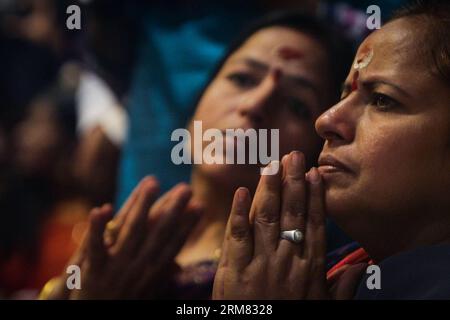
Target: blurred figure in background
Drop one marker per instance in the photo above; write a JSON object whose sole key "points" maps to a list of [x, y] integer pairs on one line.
{"points": [[60, 132], [108, 53], [39, 139], [42, 204]]}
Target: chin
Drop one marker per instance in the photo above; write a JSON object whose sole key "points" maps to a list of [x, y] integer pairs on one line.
{"points": [[339, 203], [232, 176]]}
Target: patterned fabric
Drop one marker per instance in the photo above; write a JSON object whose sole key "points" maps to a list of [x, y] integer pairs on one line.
{"points": [[195, 281]]}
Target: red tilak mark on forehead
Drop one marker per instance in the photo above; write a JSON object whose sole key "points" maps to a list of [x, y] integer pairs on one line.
{"points": [[288, 53], [355, 81]]}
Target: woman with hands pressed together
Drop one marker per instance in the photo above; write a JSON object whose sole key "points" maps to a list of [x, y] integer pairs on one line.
{"points": [[274, 77], [383, 176]]}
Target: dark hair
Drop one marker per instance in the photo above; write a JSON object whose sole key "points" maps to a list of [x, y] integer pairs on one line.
{"points": [[435, 18], [339, 50]]}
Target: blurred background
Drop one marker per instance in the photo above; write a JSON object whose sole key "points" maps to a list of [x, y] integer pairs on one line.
{"points": [[85, 114]]}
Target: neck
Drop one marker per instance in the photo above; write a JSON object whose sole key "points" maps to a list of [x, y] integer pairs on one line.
{"points": [[205, 240]]}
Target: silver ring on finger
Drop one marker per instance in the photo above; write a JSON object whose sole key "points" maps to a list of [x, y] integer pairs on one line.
{"points": [[294, 236]]}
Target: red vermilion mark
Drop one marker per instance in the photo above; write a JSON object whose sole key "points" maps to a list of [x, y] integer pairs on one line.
{"points": [[288, 53]]}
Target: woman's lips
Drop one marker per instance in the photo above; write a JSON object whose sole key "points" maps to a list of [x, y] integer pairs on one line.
{"points": [[328, 164]]}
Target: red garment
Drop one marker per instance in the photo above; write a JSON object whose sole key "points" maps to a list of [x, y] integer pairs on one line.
{"points": [[60, 236], [357, 256]]}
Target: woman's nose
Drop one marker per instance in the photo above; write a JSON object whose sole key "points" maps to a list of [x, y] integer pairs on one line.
{"points": [[338, 124], [256, 103]]}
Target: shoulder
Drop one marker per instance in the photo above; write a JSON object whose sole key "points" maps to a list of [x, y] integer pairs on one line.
{"points": [[423, 273]]}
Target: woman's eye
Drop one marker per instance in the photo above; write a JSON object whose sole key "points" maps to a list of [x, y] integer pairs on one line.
{"points": [[299, 108], [383, 102], [242, 80]]}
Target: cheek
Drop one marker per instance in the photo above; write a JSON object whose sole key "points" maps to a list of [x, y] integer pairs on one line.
{"points": [[396, 164], [214, 105], [379, 151], [397, 148], [399, 167]]}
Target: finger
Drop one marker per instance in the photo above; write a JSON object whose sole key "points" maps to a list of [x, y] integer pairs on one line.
{"points": [[265, 212], [164, 213], [293, 199], [157, 210], [237, 251], [164, 263], [133, 196], [80, 253], [169, 210], [134, 229], [96, 251], [113, 227], [315, 238]]}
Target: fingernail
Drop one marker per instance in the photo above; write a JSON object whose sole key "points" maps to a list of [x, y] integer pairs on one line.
{"points": [[296, 160], [147, 182], [284, 159], [242, 194], [314, 176], [176, 190], [148, 178], [196, 205]]}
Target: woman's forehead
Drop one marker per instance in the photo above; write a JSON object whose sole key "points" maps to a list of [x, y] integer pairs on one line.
{"points": [[273, 42], [394, 55], [391, 52], [283, 48], [393, 43]]}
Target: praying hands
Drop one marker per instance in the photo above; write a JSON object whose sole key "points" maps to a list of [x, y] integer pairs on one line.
{"points": [[260, 260]]}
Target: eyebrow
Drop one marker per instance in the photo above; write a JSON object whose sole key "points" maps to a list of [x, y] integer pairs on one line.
{"points": [[254, 63], [371, 83], [298, 80]]}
